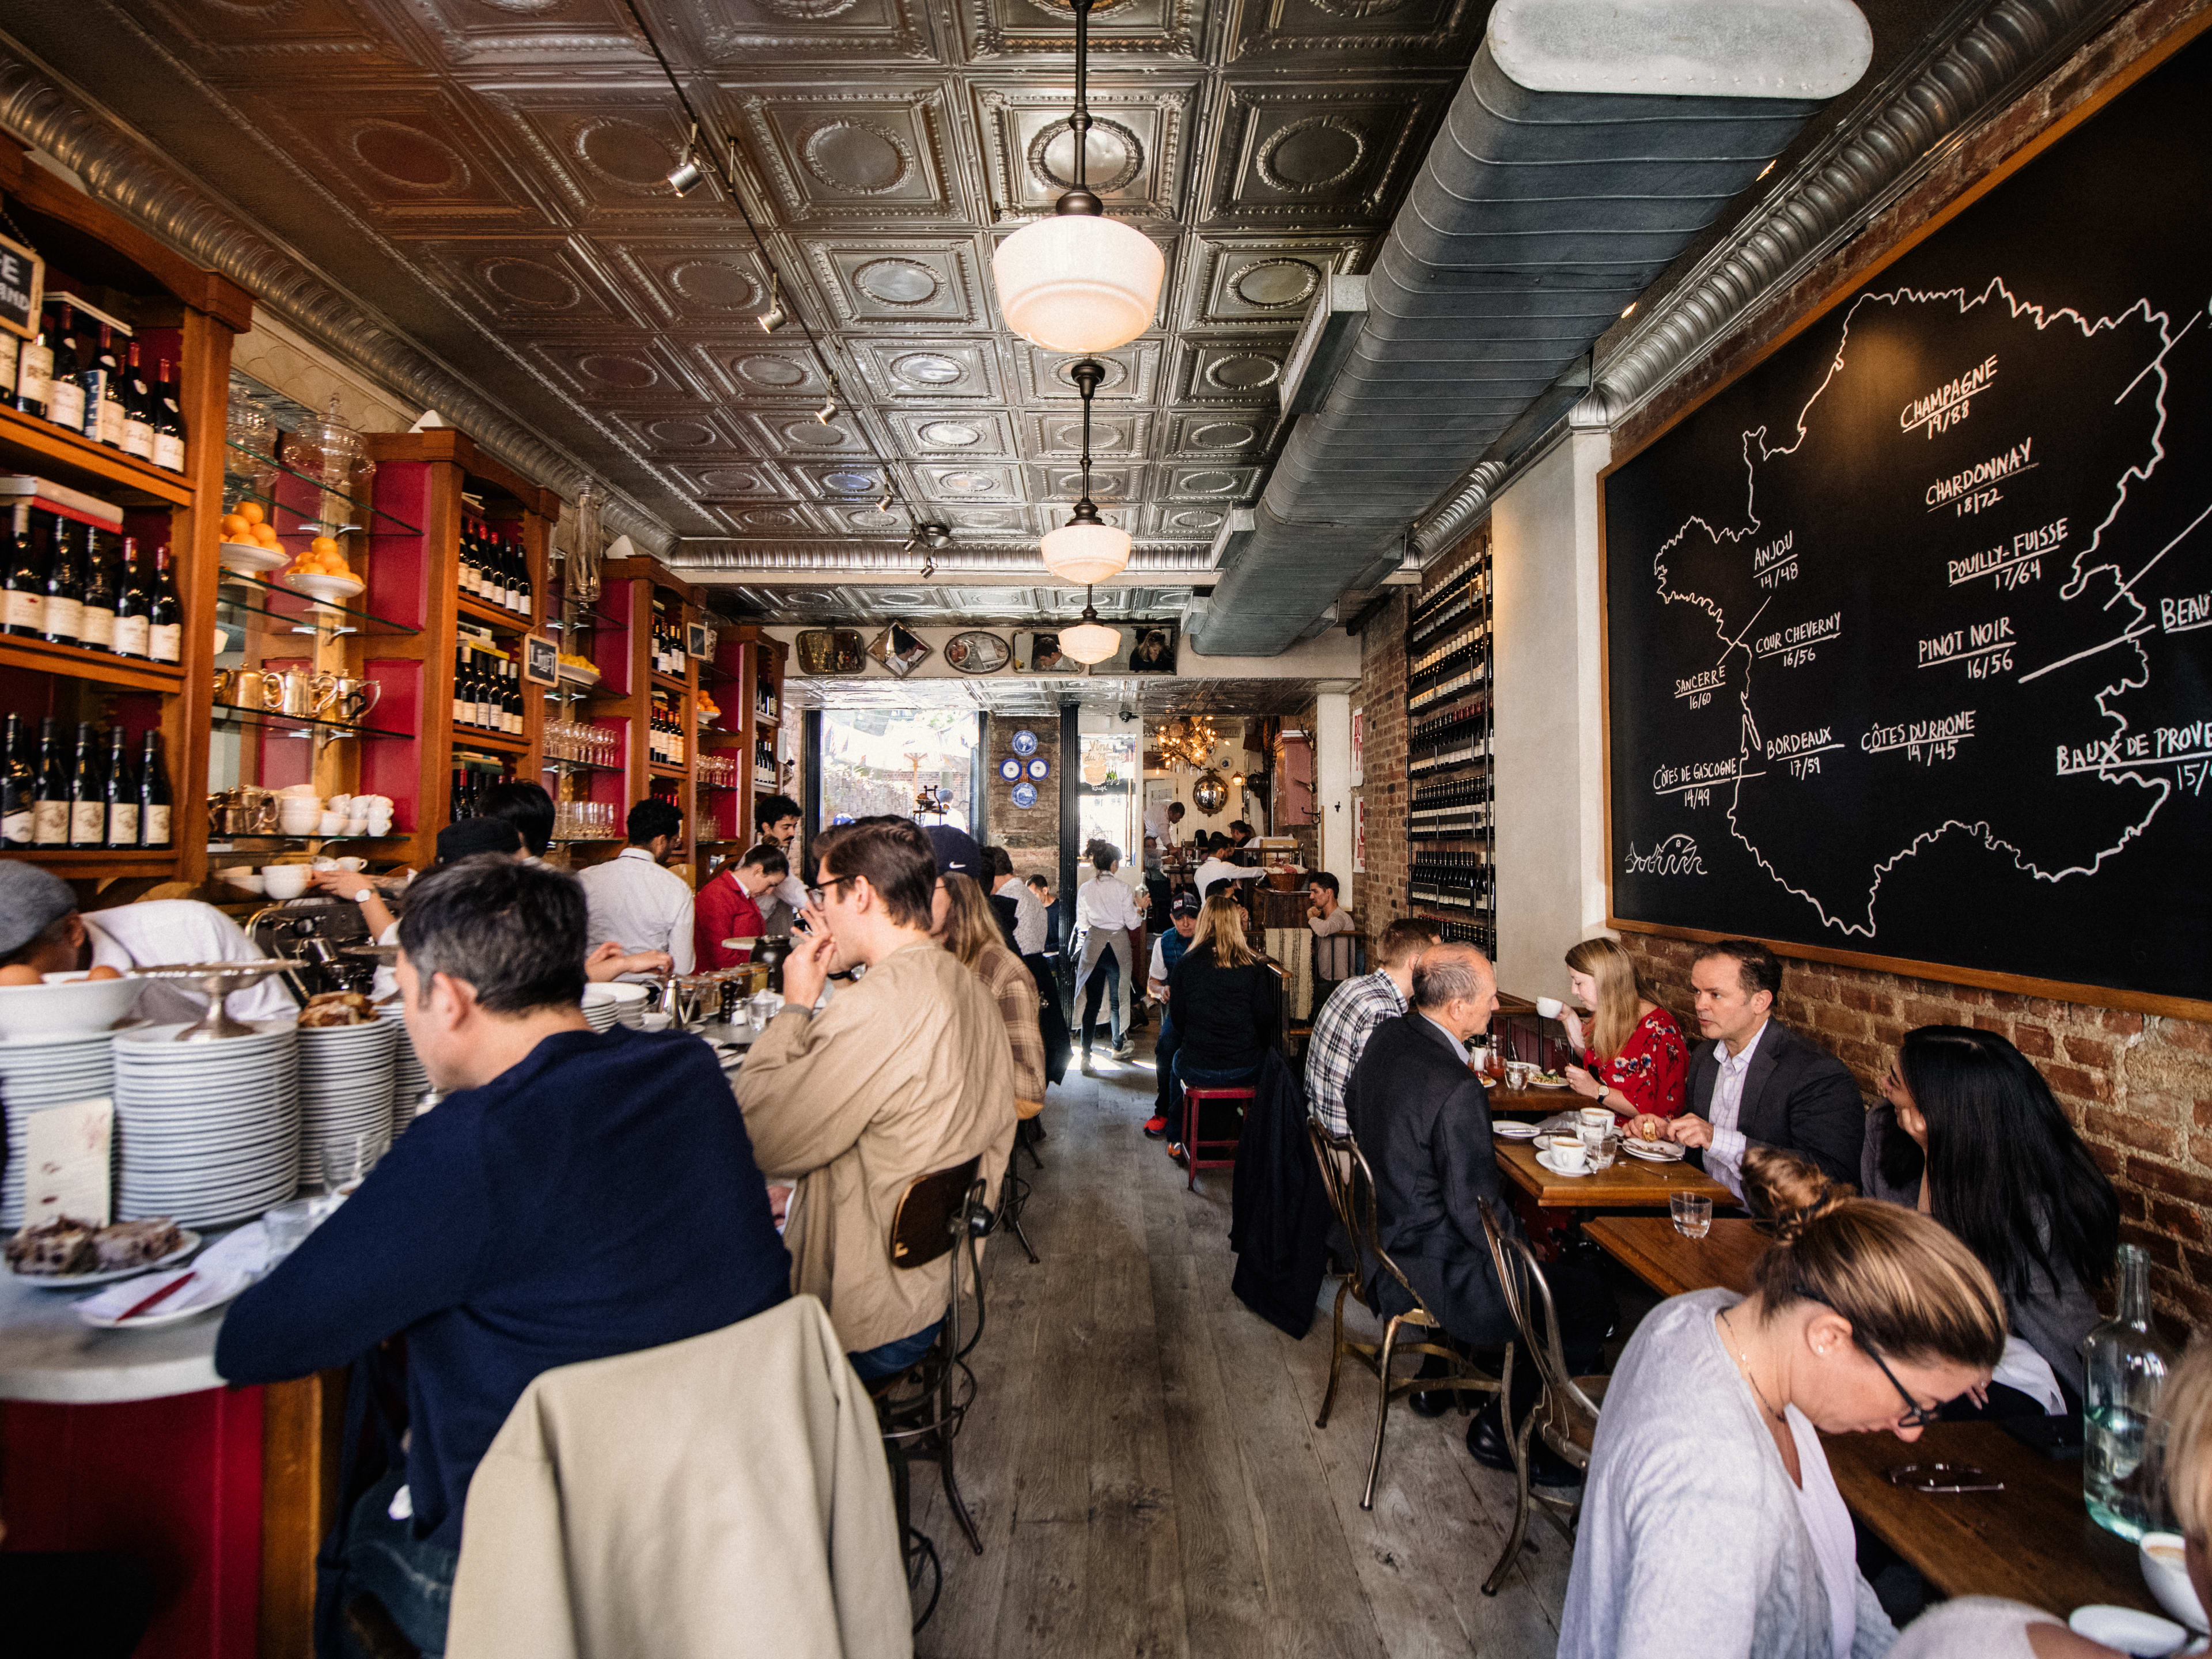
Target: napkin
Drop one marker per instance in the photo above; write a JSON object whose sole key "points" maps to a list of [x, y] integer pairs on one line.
{"points": [[224, 1269]]}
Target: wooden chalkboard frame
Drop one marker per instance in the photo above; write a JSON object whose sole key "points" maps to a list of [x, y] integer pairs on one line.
{"points": [[2095, 996]]}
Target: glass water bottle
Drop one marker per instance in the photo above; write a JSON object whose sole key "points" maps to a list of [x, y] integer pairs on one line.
{"points": [[2127, 1363]]}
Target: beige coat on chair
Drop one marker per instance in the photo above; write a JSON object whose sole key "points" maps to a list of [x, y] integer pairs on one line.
{"points": [[722, 1495]]}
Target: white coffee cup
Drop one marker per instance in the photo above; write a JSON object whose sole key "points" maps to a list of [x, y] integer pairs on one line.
{"points": [[331, 824], [1550, 1007], [1570, 1156], [1596, 1117], [284, 881]]}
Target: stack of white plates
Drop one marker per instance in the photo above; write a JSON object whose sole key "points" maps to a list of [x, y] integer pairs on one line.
{"points": [[208, 1133], [36, 1072], [346, 1080], [412, 1081], [616, 1001]]}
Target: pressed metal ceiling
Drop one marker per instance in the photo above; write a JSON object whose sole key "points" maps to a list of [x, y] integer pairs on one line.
{"points": [[1152, 698]]}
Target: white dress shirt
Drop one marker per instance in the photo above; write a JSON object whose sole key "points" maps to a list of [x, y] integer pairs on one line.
{"points": [[1218, 869], [1724, 1158], [1156, 822], [639, 905], [1108, 903], [168, 933]]}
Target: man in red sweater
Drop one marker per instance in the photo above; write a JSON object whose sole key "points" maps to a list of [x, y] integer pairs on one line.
{"points": [[728, 907]]}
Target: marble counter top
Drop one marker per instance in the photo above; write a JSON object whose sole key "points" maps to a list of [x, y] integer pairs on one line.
{"points": [[49, 1356]]}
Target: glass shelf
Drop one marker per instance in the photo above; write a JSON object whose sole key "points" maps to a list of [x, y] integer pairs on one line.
{"points": [[305, 614], [552, 765], [298, 726], [381, 523], [271, 842]]}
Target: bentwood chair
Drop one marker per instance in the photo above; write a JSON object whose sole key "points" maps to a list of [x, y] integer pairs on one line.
{"points": [[1565, 1413], [1352, 1196], [920, 1410]]}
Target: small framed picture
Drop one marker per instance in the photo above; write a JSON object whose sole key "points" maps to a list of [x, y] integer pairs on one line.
{"points": [[541, 660], [22, 289], [698, 640]]}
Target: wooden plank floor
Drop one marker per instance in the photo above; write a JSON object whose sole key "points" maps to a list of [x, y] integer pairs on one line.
{"points": [[1142, 1459]]}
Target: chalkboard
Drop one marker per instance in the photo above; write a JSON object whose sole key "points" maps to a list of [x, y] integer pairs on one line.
{"points": [[1909, 628]]}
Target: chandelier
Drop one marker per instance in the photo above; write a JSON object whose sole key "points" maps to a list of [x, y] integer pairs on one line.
{"points": [[1089, 641], [1085, 548], [1189, 743], [1078, 280]]}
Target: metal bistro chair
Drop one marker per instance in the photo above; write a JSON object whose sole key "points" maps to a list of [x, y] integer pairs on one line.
{"points": [[1352, 1196], [920, 1410], [1567, 1412]]}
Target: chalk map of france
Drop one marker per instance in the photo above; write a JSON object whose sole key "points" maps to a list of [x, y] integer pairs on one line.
{"points": [[1954, 594]]}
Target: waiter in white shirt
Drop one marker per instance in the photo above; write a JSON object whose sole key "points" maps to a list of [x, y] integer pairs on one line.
{"points": [[42, 928], [636, 901], [1163, 819]]}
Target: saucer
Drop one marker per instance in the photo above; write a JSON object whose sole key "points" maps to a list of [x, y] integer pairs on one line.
{"points": [[1544, 1157]]}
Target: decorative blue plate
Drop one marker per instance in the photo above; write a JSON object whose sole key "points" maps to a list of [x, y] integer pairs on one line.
{"points": [[1040, 768], [1025, 743], [1011, 769], [1025, 795]]}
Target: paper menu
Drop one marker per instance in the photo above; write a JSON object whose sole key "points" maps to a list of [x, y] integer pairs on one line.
{"points": [[66, 1162]]}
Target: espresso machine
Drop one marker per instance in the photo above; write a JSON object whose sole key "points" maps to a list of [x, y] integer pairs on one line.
{"points": [[325, 937]]}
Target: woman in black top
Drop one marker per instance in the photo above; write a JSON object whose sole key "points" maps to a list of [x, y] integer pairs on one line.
{"points": [[1971, 1135], [1224, 1002]]}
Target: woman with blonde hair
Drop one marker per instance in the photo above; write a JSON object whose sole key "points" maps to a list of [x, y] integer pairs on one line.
{"points": [[1865, 1317], [1225, 1003], [1634, 1059]]}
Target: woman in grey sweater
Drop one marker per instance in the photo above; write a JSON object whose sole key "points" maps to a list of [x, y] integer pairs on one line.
{"points": [[1711, 1525]]}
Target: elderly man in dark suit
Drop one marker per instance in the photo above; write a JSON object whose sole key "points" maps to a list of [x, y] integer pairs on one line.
{"points": [[1760, 1084], [1421, 1117]]}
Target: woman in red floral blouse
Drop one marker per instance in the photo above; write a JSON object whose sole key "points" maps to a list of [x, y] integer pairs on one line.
{"points": [[1634, 1059]]}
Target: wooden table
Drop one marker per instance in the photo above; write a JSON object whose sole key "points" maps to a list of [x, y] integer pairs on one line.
{"points": [[1649, 1247], [2033, 1541], [1542, 1101], [1629, 1184]]}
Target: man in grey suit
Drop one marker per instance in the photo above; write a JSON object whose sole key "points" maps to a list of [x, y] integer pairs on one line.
{"points": [[1760, 1084], [1421, 1117]]}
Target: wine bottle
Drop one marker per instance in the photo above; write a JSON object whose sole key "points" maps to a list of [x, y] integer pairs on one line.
{"points": [[64, 389], [153, 796], [64, 583], [472, 575], [88, 793], [35, 368], [168, 419], [12, 347], [514, 703], [138, 413], [130, 604], [101, 377], [461, 709], [96, 626], [50, 806], [164, 616], [18, 789], [122, 796], [23, 589]]}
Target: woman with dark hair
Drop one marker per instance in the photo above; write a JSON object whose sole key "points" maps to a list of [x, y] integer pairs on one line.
{"points": [[1971, 1135]]}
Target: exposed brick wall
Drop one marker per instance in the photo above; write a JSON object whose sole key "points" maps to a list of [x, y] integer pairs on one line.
{"points": [[2136, 1087], [1378, 895], [1031, 836]]}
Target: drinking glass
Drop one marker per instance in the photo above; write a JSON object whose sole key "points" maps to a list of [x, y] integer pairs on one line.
{"points": [[288, 1225], [348, 1160], [1693, 1213]]}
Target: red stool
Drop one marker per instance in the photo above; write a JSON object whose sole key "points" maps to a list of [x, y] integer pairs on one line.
{"points": [[1193, 1098]]}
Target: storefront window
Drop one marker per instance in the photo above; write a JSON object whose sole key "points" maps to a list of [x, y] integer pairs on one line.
{"points": [[877, 761], [1107, 807]]}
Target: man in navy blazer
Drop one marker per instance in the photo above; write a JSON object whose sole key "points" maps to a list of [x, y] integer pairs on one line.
{"points": [[1759, 1083]]}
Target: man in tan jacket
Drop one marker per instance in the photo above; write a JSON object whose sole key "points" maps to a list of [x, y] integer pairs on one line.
{"points": [[906, 1071]]}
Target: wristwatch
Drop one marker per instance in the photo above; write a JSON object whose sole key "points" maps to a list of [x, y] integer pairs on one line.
{"points": [[1601, 1089], [364, 896]]}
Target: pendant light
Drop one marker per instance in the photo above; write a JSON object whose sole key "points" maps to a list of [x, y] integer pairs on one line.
{"points": [[1089, 641], [1078, 280], [1086, 549]]}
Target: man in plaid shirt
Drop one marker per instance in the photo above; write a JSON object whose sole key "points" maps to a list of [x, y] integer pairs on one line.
{"points": [[1349, 1018]]}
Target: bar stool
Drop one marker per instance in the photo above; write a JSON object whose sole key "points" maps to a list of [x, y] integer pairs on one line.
{"points": [[1195, 1096]]}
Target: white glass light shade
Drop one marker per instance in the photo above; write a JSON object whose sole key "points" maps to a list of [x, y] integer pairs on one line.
{"points": [[1078, 281], [1091, 642], [1083, 555]]}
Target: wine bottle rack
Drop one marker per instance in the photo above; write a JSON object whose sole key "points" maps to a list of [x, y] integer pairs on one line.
{"points": [[1449, 729]]}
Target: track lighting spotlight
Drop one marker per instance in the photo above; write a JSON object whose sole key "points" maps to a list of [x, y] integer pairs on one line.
{"points": [[884, 505], [828, 407], [773, 319], [687, 174]]}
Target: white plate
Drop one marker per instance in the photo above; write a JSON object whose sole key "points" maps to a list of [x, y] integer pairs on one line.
{"points": [[2128, 1629], [1655, 1152], [1509, 1130], [1539, 1082], [161, 1316], [86, 1281], [251, 558], [1544, 1157]]}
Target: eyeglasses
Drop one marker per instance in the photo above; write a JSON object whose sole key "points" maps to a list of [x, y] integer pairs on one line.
{"points": [[814, 894], [1917, 1416]]}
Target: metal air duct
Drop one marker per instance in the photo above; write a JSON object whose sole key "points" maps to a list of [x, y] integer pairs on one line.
{"points": [[1590, 143]]}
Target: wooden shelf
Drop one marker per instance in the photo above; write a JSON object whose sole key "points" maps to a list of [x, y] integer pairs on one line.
{"points": [[133, 673], [660, 770], [76, 460], [669, 682], [472, 737], [491, 616], [83, 864]]}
